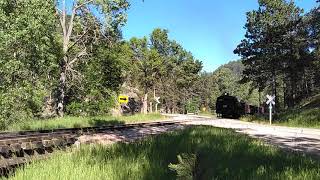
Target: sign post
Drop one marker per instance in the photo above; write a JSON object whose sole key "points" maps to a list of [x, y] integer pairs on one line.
{"points": [[270, 102]]}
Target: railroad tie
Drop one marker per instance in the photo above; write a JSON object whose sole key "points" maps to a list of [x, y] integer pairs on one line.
{"points": [[5, 151]]}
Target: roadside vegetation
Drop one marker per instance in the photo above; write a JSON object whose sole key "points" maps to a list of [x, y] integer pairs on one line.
{"points": [[307, 114], [196, 152], [56, 60], [76, 122], [206, 113]]}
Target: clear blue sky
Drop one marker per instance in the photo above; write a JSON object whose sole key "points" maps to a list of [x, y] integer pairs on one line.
{"points": [[210, 29]]}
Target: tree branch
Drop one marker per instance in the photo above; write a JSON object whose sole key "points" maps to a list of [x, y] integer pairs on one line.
{"points": [[70, 28], [83, 4], [79, 39], [82, 53], [59, 15], [64, 18], [74, 11]]}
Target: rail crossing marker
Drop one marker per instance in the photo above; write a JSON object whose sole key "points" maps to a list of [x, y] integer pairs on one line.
{"points": [[270, 102], [157, 102]]}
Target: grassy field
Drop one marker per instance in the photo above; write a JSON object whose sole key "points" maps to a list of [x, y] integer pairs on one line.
{"points": [[199, 152], [70, 122]]}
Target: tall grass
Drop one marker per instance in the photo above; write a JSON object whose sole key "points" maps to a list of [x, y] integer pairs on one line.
{"points": [[309, 118], [306, 114], [301, 117], [219, 154], [70, 122]]}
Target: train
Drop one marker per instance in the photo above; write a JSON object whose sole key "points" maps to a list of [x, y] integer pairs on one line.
{"points": [[231, 107]]}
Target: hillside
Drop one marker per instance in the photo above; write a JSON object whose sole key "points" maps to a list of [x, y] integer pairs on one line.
{"points": [[228, 78], [235, 66], [307, 115]]}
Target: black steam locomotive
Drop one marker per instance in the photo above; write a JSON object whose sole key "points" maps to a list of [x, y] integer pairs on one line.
{"points": [[231, 107]]}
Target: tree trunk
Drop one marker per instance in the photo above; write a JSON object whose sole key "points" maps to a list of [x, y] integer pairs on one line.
{"points": [[144, 109], [275, 91], [259, 106], [62, 87], [150, 107]]}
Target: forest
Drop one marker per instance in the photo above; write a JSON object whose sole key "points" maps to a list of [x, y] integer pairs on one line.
{"points": [[281, 51], [280, 55], [61, 59]]}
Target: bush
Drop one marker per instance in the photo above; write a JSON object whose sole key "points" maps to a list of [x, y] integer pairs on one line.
{"points": [[20, 105], [186, 167], [95, 105], [193, 105], [253, 118]]}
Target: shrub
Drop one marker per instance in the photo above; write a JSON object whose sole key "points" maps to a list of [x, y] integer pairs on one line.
{"points": [[95, 105], [186, 167], [20, 105]]}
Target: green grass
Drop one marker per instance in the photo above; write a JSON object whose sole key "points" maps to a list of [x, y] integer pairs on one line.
{"points": [[214, 154], [301, 118], [308, 118], [206, 113], [70, 122], [307, 114], [255, 118]]}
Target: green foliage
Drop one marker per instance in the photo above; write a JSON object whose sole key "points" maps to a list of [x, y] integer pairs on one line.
{"points": [[226, 79], [91, 107], [255, 118], [103, 76], [186, 166], [307, 114], [192, 105], [165, 68], [28, 56], [221, 154], [277, 51], [51, 55]]}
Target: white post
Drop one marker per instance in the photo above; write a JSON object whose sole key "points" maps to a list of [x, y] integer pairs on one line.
{"points": [[270, 113]]}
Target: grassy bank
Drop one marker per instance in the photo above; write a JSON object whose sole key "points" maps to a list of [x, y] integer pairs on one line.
{"points": [[70, 122], [307, 114], [301, 118], [205, 152], [308, 118]]}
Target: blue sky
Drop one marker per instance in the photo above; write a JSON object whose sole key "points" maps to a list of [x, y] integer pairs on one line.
{"points": [[210, 29]]}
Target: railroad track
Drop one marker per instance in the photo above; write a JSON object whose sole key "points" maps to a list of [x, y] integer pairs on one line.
{"points": [[21, 147]]}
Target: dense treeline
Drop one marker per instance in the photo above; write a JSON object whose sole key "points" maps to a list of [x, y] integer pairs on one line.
{"points": [[280, 55], [281, 51], [162, 68], [58, 58], [69, 57]]}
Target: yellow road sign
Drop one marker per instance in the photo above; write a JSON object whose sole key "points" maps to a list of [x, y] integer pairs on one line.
{"points": [[123, 99]]}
